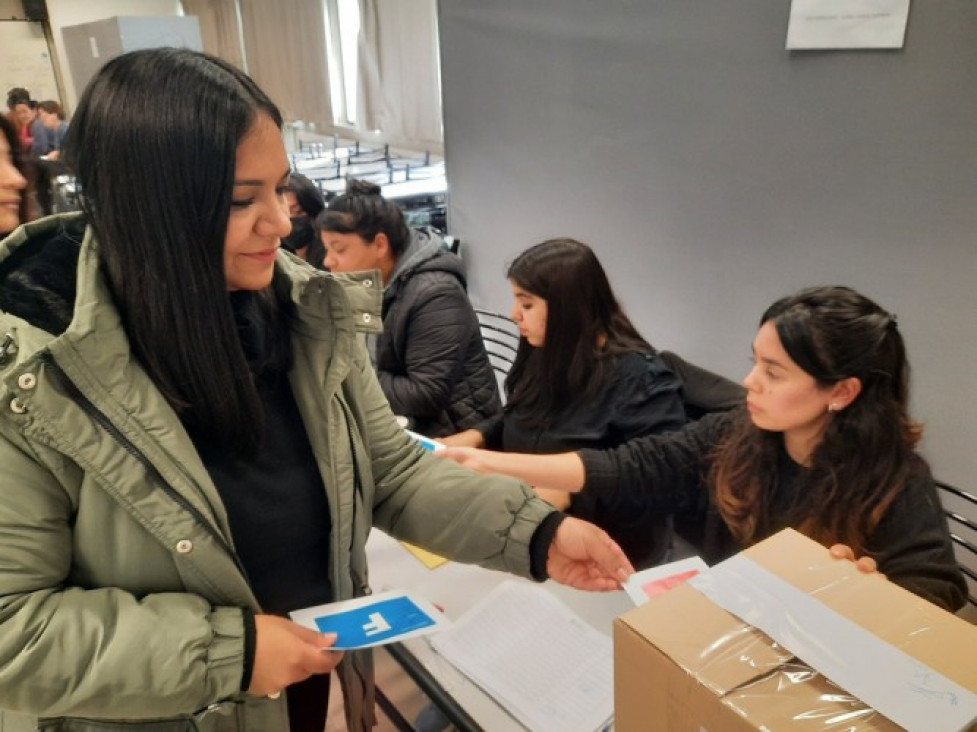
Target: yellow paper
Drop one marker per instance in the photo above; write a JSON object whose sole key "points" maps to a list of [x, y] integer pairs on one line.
{"points": [[428, 559]]}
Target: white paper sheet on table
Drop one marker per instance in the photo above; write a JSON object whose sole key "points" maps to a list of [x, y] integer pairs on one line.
{"points": [[545, 665]]}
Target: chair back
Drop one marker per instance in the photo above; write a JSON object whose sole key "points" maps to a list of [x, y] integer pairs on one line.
{"points": [[500, 335], [960, 507]]}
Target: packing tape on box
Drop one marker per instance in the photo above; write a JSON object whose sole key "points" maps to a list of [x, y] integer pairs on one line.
{"points": [[908, 692]]}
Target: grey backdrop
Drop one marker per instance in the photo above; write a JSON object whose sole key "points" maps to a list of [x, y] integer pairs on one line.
{"points": [[713, 171]]}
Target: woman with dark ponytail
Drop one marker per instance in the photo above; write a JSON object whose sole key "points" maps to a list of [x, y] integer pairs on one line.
{"points": [[430, 358], [825, 445]]}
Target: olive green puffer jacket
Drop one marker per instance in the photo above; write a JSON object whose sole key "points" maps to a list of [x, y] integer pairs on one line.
{"points": [[120, 593]]}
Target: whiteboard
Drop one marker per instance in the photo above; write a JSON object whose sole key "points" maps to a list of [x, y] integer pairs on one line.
{"points": [[25, 60]]}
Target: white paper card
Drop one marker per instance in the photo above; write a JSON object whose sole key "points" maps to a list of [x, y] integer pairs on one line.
{"points": [[838, 24], [386, 617], [540, 661], [648, 583]]}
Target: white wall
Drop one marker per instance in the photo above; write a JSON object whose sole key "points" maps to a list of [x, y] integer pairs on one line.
{"points": [[63, 13]]}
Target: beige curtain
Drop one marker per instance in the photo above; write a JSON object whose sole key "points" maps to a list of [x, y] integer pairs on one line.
{"points": [[400, 87], [219, 28], [285, 44]]}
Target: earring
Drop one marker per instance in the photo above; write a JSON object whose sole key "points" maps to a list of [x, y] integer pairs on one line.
{"points": [[832, 407]]}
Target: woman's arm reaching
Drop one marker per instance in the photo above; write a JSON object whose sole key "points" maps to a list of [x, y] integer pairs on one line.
{"points": [[563, 471]]}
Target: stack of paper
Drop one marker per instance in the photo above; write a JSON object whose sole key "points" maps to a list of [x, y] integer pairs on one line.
{"points": [[547, 667]]}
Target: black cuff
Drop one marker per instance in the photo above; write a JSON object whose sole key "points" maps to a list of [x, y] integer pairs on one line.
{"points": [[539, 545], [250, 641]]}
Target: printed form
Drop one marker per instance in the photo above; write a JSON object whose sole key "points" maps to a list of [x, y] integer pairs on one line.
{"points": [[546, 666]]}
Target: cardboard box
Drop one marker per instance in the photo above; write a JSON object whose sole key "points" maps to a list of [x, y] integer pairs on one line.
{"points": [[683, 662]]}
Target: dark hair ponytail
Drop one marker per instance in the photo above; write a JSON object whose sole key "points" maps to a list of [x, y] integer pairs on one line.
{"points": [[361, 210]]}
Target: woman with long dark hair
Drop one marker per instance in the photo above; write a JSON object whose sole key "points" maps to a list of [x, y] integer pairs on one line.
{"points": [[582, 377], [825, 445], [192, 438]]}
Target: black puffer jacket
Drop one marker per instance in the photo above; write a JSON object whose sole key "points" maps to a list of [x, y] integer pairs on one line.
{"points": [[430, 358]]}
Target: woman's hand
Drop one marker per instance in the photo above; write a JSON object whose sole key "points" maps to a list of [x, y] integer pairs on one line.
{"points": [[584, 556], [468, 438], [865, 564], [471, 457], [286, 653]]}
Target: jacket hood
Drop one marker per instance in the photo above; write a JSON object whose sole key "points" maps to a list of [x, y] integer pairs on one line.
{"points": [[38, 271], [426, 253]]}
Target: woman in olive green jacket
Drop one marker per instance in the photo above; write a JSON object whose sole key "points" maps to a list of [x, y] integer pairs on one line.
{"points": [[133, 408]]}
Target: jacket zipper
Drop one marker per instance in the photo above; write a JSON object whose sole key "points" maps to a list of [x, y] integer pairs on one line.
{"points": [[106, 424], [357, 480]]}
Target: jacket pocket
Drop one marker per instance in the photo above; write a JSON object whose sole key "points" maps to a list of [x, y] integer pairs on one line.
{"points": [[79, 724]]}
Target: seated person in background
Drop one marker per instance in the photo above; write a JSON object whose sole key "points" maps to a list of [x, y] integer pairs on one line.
{"points": [[35, 138], [305, 203], [825, 445], [430, 358], [13, 179], [583, 377], [52, 117]]}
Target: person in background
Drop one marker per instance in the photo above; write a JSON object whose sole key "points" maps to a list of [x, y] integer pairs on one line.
{"points": [[13, 179], [52, 117], [430, 358], [305, 203], [582, 377], [35, 138], [192, 438], [824, 444]]}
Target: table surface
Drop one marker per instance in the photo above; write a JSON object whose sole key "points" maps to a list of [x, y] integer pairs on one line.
{"points": [[456, 588]]}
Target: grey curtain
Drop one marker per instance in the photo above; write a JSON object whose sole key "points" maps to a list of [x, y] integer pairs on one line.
{"points": [[285, 44], [220, 29]]}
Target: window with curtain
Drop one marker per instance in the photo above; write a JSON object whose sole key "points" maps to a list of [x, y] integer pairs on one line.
{"points": [[368, 66]]}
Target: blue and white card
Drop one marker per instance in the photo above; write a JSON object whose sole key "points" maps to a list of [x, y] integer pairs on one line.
{"points": [[374, 620], [426, 442]]}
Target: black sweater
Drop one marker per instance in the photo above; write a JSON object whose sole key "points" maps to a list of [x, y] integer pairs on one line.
{"points": [[640, 396], [652, 475]]}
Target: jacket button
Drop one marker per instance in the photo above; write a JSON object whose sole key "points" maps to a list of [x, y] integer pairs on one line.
{"points": [[27, 381], [367, 283], [184, 546], [17, 406], [367, 317]]}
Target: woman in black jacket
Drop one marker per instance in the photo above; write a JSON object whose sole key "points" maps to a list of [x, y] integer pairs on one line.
{"points": [[825, 445], [430, 358], [583, 377]]}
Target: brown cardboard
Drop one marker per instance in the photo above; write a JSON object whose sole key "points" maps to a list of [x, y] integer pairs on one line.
{"points": [[682, 662]]}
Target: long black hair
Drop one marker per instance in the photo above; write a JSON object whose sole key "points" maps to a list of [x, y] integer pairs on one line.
{"points": [[584, 325], [866, 453], [153, 144]]}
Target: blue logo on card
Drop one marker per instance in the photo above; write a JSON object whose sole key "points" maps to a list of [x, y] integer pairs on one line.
{"points": [[374, 623]]}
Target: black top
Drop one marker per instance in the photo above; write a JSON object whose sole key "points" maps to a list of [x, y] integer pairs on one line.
{"points": [[641, 396], [277, 507], [639, 480]]}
